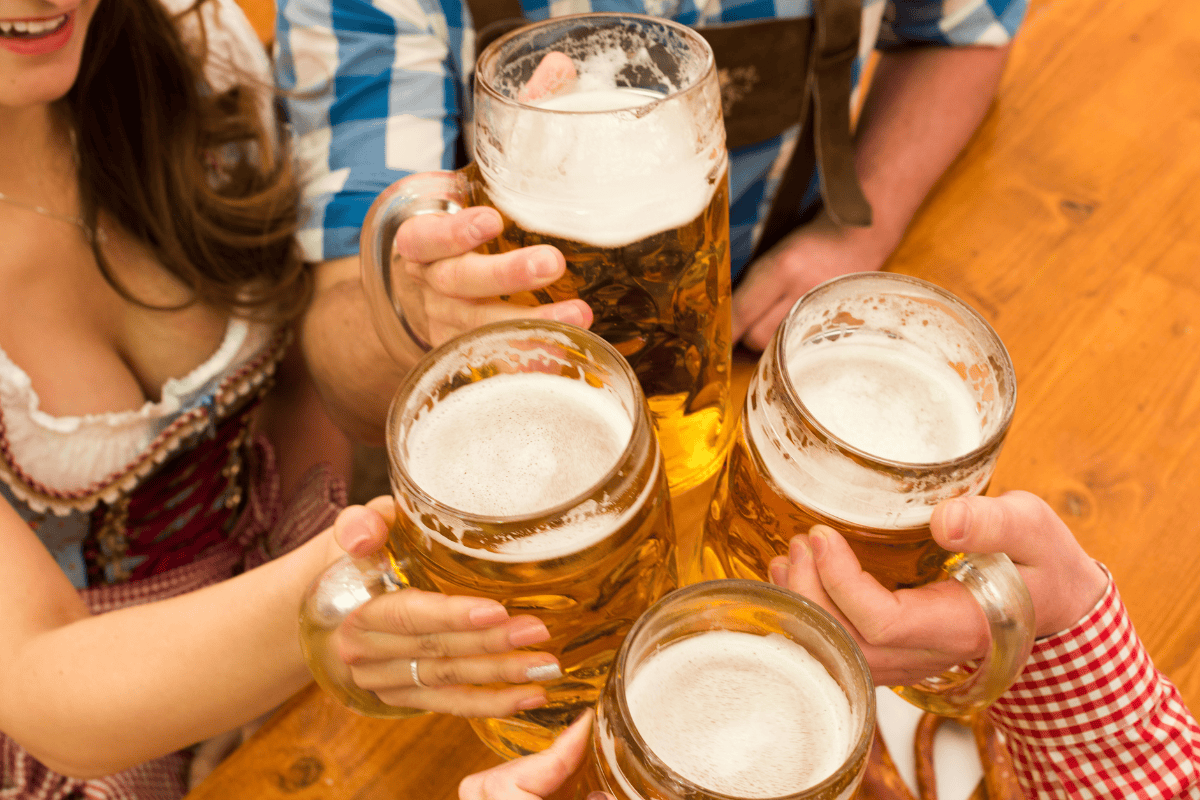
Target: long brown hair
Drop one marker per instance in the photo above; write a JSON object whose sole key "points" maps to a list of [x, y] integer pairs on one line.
{"points": [[151, 133]]}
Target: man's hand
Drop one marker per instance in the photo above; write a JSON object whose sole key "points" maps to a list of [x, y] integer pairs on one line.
{"points": [[537, 776], [806, 257], [452, 289], [912, 634]]}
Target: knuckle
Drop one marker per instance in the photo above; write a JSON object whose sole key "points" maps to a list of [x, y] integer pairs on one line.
{"points": [[430, 645], [443, 673]]}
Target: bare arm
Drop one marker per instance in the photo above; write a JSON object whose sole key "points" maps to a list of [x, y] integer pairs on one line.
{"points": [[922, 109], [89, 695]]}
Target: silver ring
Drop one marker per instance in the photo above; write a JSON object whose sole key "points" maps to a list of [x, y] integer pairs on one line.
{"points": [[412, 670]]}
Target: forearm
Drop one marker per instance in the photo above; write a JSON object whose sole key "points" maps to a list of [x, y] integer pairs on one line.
{"points": [[922, 109], [101, 693], [1092, 718], [354, 373]]}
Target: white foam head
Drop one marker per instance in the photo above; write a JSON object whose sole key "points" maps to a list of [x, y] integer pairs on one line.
{"points": [[883, 396], [741, 714], [606, 165], [887, 397], [517, 445]]}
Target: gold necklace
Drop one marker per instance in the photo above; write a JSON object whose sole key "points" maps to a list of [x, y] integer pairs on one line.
{"points": [[96, 235]]}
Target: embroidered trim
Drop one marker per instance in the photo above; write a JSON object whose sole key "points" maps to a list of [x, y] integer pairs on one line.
{"points": [[251, 376]]}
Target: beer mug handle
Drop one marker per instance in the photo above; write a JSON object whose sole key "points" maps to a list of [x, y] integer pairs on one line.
{"points": [[994, 582], [423, 193], [347, 584]]}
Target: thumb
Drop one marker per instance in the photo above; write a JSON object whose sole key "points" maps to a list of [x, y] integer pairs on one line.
{"points": [[362, 530], [1019, 524]]}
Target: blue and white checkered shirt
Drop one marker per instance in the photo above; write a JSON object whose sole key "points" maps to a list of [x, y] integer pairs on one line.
{"points": [[378, 89]]}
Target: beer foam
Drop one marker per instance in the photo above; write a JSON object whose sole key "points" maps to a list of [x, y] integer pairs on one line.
{"points": [[742, 714], [515, 445], [888, 398], [604, 165]]}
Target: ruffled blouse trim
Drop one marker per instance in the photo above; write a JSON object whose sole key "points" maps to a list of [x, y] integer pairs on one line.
{"points": [[229, 393]]}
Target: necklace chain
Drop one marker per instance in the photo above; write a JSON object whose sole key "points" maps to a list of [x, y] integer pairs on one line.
{"points": [[79, 222]]}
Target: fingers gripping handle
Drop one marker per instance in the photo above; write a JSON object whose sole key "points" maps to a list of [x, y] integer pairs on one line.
{"points": [[996, 585], [382, 273], [343, 587]]}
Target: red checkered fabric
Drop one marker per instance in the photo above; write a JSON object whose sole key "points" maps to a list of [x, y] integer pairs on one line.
{"points": [[265, 530], [1091, 717]]}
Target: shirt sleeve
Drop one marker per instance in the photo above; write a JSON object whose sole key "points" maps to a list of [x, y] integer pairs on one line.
{"points": [[372, 90], [916, 23], [1091, 717]]}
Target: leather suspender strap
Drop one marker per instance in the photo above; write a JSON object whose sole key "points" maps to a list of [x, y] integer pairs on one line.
{"points": [[838, 24], [824, 130]]}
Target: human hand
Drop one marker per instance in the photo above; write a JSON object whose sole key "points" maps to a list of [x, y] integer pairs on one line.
{"points": [[451, 644], [809, 255], [912, 634], [536, 776], [451, 289]]}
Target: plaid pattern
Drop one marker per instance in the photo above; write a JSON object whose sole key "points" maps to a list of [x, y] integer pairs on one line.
{"points": [[384, 90], [1092, 718], [265, 530]]}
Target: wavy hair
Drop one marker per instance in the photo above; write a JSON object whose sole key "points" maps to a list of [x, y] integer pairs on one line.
{"points": [[195, 174]]}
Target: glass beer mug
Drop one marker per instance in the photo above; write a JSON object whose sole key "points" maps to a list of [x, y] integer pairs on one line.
{"points": [[524, 469], [623, 168], [732, 689], [879, 396]]}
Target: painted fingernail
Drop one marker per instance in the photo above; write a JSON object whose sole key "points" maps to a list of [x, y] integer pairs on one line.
{"points": [[530, 703], [956, 519], [543, 672], [527, 634], [487, 615]]}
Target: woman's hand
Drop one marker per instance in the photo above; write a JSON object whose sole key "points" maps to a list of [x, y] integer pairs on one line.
{"points": [[432, 651], [911, 634], [537, 776]]}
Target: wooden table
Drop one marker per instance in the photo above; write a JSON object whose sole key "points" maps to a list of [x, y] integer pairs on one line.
{"points": [[1073, 224]]}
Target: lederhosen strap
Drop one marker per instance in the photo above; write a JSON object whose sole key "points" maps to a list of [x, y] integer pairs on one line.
{"points": [[763, 94]]}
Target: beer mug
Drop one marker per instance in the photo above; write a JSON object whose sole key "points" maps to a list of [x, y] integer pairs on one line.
{"points": [[879, 396], [624, 170], [732, 689], [524, 469]]}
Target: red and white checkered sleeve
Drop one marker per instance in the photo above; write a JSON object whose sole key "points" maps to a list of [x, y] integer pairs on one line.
{"points": [[1090, 717]]}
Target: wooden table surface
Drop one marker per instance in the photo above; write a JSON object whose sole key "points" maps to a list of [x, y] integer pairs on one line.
{"points": [[1073, 224]]}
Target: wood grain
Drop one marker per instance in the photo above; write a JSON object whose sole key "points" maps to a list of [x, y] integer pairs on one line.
{"points": [[1072, 222]]}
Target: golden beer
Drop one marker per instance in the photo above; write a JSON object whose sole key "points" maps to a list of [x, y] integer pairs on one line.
{"points": [[732, 689], [879, 397], [525, 469], [624, 170]]}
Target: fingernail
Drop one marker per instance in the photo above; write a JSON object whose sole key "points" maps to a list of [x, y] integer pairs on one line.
{"points": [[598, 796], [530, 703], [956, 519], [543, 265], [487, 615], [569, 314], [543, 672], [485, 224], [798, 550], [527, 634], [817, 541], [778, 573]]}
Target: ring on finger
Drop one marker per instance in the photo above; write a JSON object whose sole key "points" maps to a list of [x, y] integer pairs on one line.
{"points": [[416, 676]]}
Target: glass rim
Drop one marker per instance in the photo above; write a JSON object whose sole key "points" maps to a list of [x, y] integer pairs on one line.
{"points": [[640, 417], [492, 52], [748, 590], [980, 451]]}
